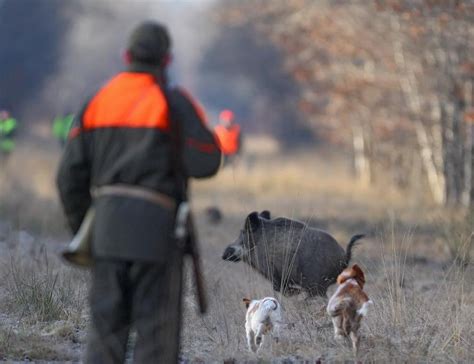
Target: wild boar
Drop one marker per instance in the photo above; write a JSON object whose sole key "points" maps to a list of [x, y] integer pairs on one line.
{"points": [[291, 254]]}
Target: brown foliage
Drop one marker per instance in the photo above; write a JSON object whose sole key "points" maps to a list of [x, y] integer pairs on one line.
{"points": [[387, 67]]}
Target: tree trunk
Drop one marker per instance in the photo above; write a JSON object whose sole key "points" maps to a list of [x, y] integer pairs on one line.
{"points": [[435, 179], [361, 160], [408, 86], [468, 193]]}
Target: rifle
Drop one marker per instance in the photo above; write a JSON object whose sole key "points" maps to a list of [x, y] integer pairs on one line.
{"points": [[185, 235]]}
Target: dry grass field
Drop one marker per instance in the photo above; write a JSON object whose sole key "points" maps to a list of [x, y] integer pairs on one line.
{"points": [[423, 297]]}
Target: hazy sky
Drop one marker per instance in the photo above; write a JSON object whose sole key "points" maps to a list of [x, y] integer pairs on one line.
{"points": [[96, 40]]}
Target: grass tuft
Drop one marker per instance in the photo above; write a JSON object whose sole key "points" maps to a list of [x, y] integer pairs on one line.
{"points": [[43, 291]]}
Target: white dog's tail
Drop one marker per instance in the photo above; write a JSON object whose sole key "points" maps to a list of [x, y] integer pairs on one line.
{"points": [[270, 308], [270, 304]]}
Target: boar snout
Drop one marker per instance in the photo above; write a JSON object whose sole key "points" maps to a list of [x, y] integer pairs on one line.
{"points": [[231, 254]]}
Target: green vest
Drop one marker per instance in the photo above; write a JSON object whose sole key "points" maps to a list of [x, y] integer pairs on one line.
{"points": [[62, 126], [7, 127]]}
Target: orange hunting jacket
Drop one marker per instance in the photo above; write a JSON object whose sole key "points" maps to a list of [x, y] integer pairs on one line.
{"points": [[123, 136], [229, 138]]}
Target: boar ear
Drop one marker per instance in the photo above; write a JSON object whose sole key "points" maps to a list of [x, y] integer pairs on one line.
{"points": [[252, 222], [265, 214], [247, 302]]}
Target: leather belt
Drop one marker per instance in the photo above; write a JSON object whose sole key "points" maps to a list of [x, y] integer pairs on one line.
{"points": [[137, 192]]}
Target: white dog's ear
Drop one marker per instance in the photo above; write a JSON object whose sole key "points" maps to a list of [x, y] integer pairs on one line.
{"points": [[247, 302]]}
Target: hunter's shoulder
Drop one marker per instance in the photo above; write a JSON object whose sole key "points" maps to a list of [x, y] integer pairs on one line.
{"points": [[181, 95], [182, 101]]}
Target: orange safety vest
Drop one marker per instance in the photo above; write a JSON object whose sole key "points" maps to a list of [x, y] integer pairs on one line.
{"points": [[228, 138], [129, 100]]}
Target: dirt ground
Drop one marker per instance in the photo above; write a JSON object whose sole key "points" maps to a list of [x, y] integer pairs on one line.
{"points": [[423, 303]]}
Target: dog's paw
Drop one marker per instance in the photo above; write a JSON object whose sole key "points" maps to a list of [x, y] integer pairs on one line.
{"points": [[291, 291]]}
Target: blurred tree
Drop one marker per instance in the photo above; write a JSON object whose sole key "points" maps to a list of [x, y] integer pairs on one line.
{"points": [[392, 80], [433, 44], [29, 48], [245, 73]]}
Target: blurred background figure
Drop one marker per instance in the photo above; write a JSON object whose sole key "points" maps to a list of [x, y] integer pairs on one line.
{"points": [[229, 136], [213, 215], [8, 126], [61, 127]]}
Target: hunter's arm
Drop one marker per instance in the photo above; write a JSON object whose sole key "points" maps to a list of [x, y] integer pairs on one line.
{"points": [[201, 153]]}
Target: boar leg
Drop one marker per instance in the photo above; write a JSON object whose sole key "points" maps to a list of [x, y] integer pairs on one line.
{"points": [[292, 291], [316, 291], [276, 282]]}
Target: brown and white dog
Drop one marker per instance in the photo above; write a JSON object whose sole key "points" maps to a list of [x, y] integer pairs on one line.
{"points": [[349, 304], [263, 317]]}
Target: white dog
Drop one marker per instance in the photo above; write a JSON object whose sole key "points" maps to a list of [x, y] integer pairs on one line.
{"points": [[263, 317]]}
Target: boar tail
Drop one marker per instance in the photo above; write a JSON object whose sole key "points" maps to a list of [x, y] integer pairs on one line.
{"points": [[351, 245]]}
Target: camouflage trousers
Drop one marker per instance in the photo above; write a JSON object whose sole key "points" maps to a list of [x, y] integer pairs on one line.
{"points": [[142, 296]]}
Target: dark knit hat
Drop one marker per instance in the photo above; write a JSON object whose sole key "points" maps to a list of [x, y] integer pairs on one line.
{"points": [[149, 43]]}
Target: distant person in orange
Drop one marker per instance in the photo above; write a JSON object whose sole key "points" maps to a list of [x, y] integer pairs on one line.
{"points": [[229, 135]]}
